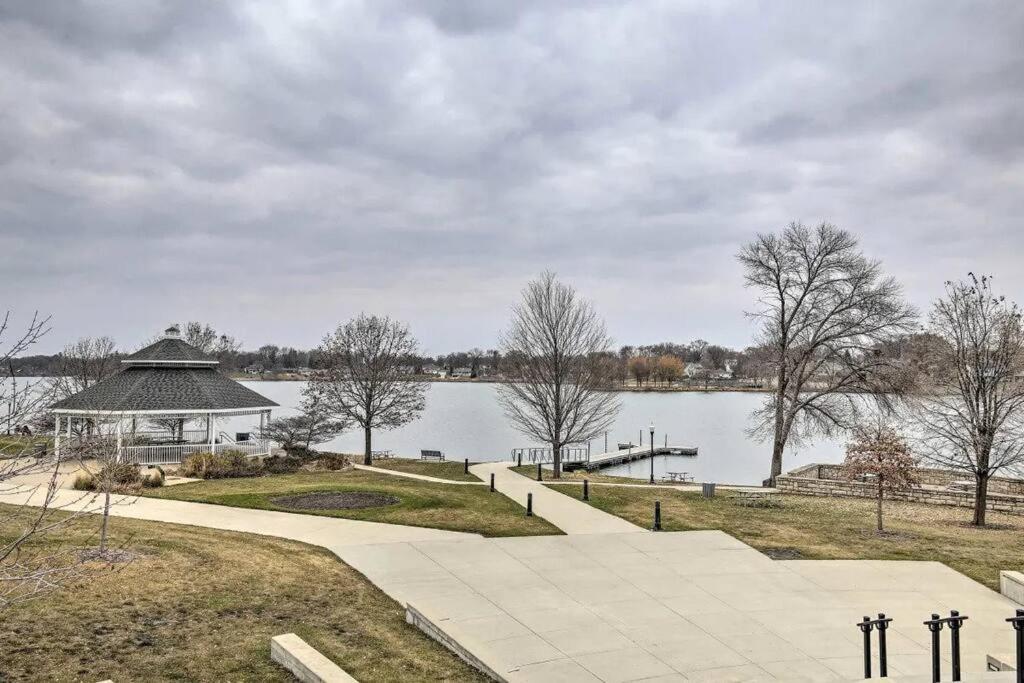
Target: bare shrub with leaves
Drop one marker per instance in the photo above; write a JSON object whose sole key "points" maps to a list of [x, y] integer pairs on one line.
{"points": [[971, 417], [553, 360], [826, 312], [880, 456]]}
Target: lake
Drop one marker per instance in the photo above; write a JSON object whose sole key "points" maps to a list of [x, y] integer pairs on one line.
{"points": [[465, 421]]}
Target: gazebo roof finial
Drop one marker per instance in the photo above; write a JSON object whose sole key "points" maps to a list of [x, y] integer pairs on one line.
{"points": [[172, 332]]}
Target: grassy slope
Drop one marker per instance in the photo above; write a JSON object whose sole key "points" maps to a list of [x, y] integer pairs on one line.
{"points": [[442, 506], [453, 470], [202, 605], [834, 528]]}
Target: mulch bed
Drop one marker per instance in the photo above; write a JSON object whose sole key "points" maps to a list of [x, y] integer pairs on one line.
{"points": [[335, 500]]}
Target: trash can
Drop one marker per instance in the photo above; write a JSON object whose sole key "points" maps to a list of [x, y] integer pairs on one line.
{"points": [[708, 489]]}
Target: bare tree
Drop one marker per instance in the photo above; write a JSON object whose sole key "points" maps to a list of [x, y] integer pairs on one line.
{"points": [[825, 311], [880, 455], [972, 414], [29, 471], [553, 352], [360, 377], [205, 338], [83, 364]]}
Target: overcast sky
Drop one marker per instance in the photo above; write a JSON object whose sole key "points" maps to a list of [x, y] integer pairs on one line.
{"points": [[275, 168]]}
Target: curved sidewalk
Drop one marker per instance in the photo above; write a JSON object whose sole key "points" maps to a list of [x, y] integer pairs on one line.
{"points": [[413, 475], [332, 533], [568, 514]]}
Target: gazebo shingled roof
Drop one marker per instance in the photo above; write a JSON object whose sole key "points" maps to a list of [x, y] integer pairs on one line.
{"points": [[168, 376]]}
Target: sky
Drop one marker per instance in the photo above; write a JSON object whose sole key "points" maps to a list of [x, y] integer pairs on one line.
{"points": [[275, 168]]}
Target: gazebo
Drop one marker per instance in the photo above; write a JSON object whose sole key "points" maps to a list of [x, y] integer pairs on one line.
{"points": [[168, 383]]}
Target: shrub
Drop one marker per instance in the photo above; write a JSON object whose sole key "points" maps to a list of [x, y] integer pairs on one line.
{"points": [[332, 461], [153, 478], [282, 464], [84, 482], [223, 465]]}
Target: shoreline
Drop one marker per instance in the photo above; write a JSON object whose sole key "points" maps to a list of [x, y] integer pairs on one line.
{"points": [[653, 389]]}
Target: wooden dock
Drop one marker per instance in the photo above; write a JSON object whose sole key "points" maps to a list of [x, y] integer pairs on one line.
{"points": [[619, 456]]}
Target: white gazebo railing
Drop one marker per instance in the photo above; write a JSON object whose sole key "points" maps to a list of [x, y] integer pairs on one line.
{"points": [[171, 454]]}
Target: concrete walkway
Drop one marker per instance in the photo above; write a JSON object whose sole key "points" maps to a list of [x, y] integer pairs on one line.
{"points": [[412, 475], [332, 533], [568, 514]]}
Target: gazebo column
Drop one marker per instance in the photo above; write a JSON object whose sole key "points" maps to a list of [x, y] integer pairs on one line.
{"points": [[118, 429], [263, 424], [56, 436], [211, 428]]}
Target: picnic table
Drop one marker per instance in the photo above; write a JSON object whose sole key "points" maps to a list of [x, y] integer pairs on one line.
{"points": [[380, 455], [681, 477], [757, 497]]}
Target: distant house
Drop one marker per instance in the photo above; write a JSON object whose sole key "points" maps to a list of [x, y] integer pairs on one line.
{"points": [[407, 369], [692, 370], [464, 373], [434, 371], [254, 369]]}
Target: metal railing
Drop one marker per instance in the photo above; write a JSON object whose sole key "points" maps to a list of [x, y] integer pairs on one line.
{"points": [[570, 454]]}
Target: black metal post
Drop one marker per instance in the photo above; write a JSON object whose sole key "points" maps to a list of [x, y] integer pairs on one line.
{"points": [[657, 515], [529, 504], [465, 468], [540, 477], [865, 627], [883, 664], [935, 625], [586, 489], [1018, 627], [519, 459], [492, 482], [955, 621]]}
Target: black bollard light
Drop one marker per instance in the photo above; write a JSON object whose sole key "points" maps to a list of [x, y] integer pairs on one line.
{"points": [[529, 504], [586, 489], [1018, 627], [540, 477], [492, 482], [657, 515], [519, 459], [465, 468], [883, 665], [935, 625], [865, 627], [955, 622]]}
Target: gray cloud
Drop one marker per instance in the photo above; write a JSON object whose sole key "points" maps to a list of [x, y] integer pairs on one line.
{"points": [[275, 168]]}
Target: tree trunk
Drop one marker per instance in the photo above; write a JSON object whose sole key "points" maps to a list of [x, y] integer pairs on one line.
{"points": [[556, 461], [779, 440], [367, 454], [880, 504], [106, 516], [980, 497]]}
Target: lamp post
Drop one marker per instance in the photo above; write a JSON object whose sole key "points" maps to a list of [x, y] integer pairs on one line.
{"points": [[652, 452]]}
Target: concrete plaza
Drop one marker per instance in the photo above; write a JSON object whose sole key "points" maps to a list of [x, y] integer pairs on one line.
{"points": [[676, 606]]}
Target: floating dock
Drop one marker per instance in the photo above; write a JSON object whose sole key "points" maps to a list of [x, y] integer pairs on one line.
{"points": [[621, 455]]}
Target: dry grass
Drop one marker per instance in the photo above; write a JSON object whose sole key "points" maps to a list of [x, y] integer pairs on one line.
{"points": [[833, 528], [201, 605], [472, 509], [577, 475], [451, 469]]}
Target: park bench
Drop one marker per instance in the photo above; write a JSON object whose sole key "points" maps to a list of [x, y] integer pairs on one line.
{"points": [[431, 455]]}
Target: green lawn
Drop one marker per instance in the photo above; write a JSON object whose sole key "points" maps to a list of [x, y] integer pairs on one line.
{"points": [[832, 528], [201, 605], [442, 506], [449, 469]]}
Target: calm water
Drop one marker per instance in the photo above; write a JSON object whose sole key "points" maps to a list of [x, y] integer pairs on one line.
{"points": [[465, 421]]}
